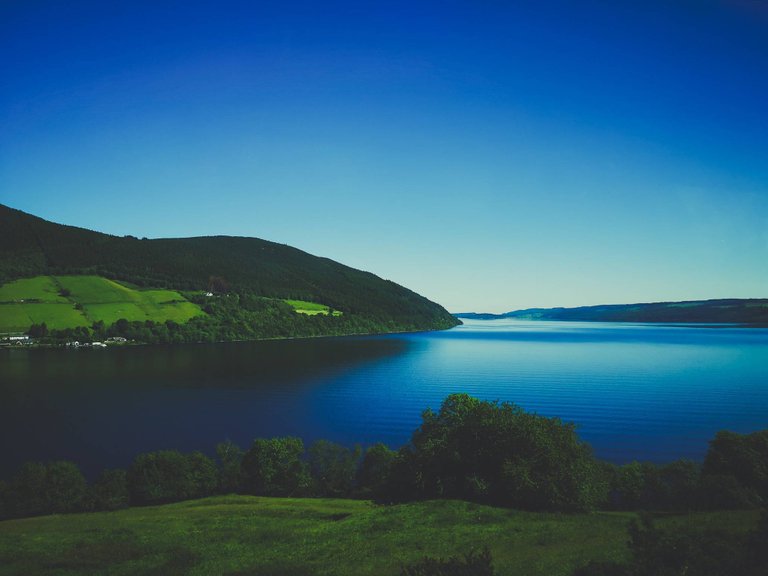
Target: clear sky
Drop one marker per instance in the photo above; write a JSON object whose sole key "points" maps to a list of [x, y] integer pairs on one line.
{"points": [[490, 155]]}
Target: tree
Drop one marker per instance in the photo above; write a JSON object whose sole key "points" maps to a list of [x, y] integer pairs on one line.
{"points": [[38, 330], [157, 477], [99, 329], [373, 475], [110, 491], [333, 468], [65, 487], [170, 476], [274, 468], [202, 476], [26, 491], [45, 488], [498, 453], [230, 459], [744, 458]]}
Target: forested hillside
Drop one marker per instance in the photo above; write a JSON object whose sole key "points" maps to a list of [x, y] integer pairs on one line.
{"points": [[32, 246], [731, 310]]}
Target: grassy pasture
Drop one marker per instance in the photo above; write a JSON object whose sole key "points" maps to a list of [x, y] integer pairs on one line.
{"points": [[112, 312], [95, 289], [100, 299], [284, 536], [19, 317], [55, 316], [41, 288], [13, 318], [309, 308]]}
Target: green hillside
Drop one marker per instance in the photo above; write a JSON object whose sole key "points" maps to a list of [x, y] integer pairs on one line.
{"points": [[251, 267], [71, 301], [290, 536]]}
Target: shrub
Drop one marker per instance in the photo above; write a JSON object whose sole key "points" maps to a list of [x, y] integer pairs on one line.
{"points": [[274, 468], [744, 457], [65, 487], [646, 486], [230, 459], [110, 491], [169, 476], [332, 468], [373, 475], [44, 489], [499, 454], [725, 492]]}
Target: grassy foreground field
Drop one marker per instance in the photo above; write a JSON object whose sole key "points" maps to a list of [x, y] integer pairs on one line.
{"points": [[72, 301], [283, 536]]}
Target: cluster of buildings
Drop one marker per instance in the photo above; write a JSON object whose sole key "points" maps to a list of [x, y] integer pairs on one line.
{"points": [[112, 340], [7, 340], [15, 340]]}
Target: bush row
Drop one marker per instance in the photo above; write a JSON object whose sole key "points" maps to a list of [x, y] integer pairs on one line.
{"points": [[488, 452]]}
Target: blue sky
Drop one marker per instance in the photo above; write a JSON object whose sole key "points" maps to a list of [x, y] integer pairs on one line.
{"points": [[489, 155]]}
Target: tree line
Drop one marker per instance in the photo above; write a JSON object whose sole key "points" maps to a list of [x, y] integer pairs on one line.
{"points": [[487, 452], [234, 316]]}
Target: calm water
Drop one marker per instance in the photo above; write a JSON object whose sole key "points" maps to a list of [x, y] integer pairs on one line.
{"points": [[644, 392]]}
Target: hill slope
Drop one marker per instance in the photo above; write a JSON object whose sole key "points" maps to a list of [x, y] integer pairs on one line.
{"points": [[32, 246], [741, 311], [71, 301]]}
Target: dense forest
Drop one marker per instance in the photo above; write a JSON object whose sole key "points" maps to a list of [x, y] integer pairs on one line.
{"points": [[247, 267], [752, 311]]}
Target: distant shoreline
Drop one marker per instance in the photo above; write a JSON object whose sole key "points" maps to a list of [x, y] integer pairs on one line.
{"points": [[703, 324], [746, 312]]}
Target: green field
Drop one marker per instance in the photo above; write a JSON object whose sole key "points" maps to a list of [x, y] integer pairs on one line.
{"points": [[284, 536], [53, 300], [41, 288], [310, 308], [19, 317]]}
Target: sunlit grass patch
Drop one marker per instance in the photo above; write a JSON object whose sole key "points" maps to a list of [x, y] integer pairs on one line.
{"points": [[71, 301], [19, 317], [56, 316], [39, 288], [310, 308], [95, 289], [112, 312]]}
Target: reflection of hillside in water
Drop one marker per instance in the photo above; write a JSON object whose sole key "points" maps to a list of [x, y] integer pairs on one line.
{"points": [[230, 365], [100, 408]]}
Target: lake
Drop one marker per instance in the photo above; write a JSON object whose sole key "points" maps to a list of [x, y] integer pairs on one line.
{"points": [[636, 392]]}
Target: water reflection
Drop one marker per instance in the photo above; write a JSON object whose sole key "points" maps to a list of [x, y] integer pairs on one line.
{"points": [[646, 392], [233, 365], [101, 407]]}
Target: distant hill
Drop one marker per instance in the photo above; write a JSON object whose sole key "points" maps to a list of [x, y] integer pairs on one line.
{"points": [[733, 310], [31, 246]]}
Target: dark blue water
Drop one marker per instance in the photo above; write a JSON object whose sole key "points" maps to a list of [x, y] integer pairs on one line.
{"points": [[644, 392]]}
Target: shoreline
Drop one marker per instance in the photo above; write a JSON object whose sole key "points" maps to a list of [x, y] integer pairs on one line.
{"points": [[89, 346]]}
